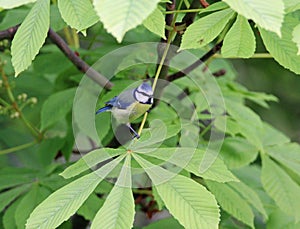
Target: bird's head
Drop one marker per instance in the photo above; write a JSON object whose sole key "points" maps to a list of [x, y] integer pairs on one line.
{"points": [[144, 93]]}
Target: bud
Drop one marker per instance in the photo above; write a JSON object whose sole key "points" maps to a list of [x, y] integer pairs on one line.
{"points": [[33, 100]]}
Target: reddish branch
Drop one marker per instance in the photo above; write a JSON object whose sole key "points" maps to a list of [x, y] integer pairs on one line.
{"points": [[63, 46], [204, 3]]}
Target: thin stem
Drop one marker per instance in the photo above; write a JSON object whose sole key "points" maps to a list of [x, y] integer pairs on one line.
{"points": [[33, 130], [16, 148], [142, 192], [75, 39], [68, 36], [183, 11], [207, 128], [255, 56], [4, 102]]}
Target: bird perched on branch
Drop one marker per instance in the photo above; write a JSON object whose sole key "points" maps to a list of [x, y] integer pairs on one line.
{"points": [[130, 105]]}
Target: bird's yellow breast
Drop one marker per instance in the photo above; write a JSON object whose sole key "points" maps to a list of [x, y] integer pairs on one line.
{"points": [[131, 113]]}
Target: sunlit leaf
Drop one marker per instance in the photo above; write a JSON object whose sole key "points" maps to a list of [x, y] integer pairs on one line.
{"points": [[260, 12], [124, 14], [30, 36]]}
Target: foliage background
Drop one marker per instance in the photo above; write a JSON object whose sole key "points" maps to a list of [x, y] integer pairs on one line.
{"points": [[30, 173]]}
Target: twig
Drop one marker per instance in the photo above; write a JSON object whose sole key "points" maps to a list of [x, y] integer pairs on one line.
{"points": [[16, 148], [197, 63], [78, 62], [204, 3], [62, 45]]}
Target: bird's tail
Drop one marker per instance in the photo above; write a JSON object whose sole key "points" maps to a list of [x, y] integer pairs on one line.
{"points": [[103, 109]]}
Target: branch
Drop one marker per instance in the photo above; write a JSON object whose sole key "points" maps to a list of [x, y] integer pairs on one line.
{"points": [[63, 46], [204, 3], [78, 62], [197, 63]]}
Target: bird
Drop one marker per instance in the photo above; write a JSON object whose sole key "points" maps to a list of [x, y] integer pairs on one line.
{"points": [[130, 105]]}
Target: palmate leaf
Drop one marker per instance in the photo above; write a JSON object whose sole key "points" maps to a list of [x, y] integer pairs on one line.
{"points": [[280, 187], [232, 202], [64, 202], [204, 30], [124, 14], [155, 23], [78, 14], [286, 154], [291, 5], [10, 195], [30, 200], [190, 159], [189, 202], [260, 12], [249, 195], [30, 36], [283, 49], [240, 40], [9, 4], [89, 160], [118, 209], [296, 37], [238, 152]]}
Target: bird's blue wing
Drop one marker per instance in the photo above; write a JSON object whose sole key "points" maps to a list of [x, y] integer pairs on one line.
{"points": [[112, 101]]}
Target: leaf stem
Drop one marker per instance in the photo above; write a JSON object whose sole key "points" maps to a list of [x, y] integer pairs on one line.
{"points": [[4, 102], [255, 56], [75, 39], [183, 11], [16, 148], [33, 130]]}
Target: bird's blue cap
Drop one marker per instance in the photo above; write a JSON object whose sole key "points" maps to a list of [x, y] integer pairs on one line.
{"points": [[145, 87]]}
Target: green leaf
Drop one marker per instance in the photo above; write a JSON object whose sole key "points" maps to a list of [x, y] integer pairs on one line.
{"points": [[296, 37], [9, 221], [126, 14], [190, 159], [78, 14], [118, 209], [89, 160], [10, 180], [271, 136], [189, 202], [8, 4], [204, 30], [280, 187], [8, 196], [64, 202], [286, 154], [56, 107], [28, 203], [30, 36], [237, 152], [48, 149], [249, 195], [214, 7], [232, 202], [283, 49], [250, 124], [158, 132], [240, 40], [164, 223], [90, 207], [291, 5], [155, 23], [260, 12]]}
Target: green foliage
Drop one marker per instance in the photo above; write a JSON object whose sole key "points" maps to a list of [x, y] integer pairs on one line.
{"points": [[254, 173], [260, 13], [30, 36], [78, 14], [240, 40], [125, 14], [204, 30]]}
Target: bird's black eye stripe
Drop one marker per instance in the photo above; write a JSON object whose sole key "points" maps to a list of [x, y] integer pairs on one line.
{"points": [[143, 93]]}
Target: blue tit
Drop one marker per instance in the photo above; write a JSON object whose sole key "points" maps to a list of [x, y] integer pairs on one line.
{"points": [[130, 105]]}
